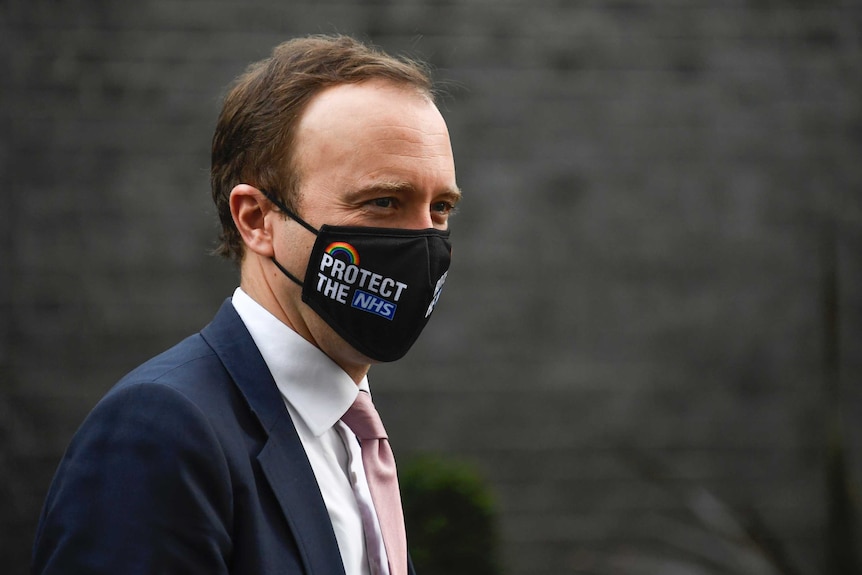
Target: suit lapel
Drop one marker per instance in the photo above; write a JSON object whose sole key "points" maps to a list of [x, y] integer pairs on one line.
{"points": [[297, 491], [283, 458]]}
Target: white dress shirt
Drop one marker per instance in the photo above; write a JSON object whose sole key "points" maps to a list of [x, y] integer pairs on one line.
{"points": [[317, 392]]}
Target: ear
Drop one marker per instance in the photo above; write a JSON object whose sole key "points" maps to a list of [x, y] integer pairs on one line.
{"points": [[249, 209]]}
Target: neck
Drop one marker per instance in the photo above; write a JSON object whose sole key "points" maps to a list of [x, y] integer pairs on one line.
{"points": [[282, 298]]}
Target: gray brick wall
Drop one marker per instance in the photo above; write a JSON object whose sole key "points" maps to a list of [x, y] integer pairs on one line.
{"points": [[635, 317]]}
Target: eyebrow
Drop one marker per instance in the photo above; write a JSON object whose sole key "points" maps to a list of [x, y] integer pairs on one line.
{"points": [[454, 195]]}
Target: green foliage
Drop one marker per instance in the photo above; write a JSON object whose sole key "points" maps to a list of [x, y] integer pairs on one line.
{"points": [[450, 516]]}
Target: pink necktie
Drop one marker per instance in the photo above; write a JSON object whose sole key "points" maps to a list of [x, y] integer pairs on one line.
{"points": [[379, 464]]}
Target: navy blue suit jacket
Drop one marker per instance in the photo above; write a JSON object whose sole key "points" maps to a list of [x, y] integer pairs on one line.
{"points": [[190, 464]]}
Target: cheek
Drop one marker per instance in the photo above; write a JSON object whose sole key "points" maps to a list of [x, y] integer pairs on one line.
{"points": [[293, 249]]}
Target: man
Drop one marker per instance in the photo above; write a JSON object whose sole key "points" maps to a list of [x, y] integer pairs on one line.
{"points": [[236, 451]]}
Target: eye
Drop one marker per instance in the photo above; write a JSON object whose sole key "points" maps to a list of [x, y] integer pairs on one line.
{"points": [[382, 202], [443, 207]]}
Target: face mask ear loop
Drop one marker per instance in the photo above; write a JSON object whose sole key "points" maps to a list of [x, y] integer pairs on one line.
{"points": [[278, 203], [287, 273]]}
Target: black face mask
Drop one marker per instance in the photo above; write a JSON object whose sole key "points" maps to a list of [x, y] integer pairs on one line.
{"points": [[375, 287]]}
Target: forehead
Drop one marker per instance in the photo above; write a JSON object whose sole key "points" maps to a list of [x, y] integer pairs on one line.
{"points": [[355, 102], [355, 135], [353, 115]]}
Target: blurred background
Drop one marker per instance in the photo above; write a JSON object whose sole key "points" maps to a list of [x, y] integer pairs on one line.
{"points": [[649, 349]]}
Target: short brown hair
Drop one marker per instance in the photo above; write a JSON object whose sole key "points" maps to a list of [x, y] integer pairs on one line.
{"points": [[253, 140]]}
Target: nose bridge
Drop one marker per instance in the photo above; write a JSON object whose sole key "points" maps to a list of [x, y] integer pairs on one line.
{"points": [[419, 217]]}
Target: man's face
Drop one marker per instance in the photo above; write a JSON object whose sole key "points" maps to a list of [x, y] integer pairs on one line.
{"points": [[374, 154], [368, 154]]}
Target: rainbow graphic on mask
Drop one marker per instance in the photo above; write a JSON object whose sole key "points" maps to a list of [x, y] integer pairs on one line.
{"points": [[343, 250]]}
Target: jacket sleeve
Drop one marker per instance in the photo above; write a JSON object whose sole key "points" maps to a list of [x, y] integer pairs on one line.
{"points": [[144, 488]]}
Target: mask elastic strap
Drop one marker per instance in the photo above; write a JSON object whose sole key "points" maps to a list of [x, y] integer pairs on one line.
{"points": [[287, 273], [280, 205]]}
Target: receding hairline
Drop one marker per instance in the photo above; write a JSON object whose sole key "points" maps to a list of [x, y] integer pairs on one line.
{"points": [[319, 99]]}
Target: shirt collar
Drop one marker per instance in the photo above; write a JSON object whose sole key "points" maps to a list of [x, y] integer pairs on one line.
{"points": [[314, 385]]}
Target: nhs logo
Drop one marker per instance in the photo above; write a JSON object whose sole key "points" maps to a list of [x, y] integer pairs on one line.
{"points": [[373, 304]]}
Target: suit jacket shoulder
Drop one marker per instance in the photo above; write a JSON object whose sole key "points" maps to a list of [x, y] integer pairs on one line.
{"points": [[189, 464]]}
